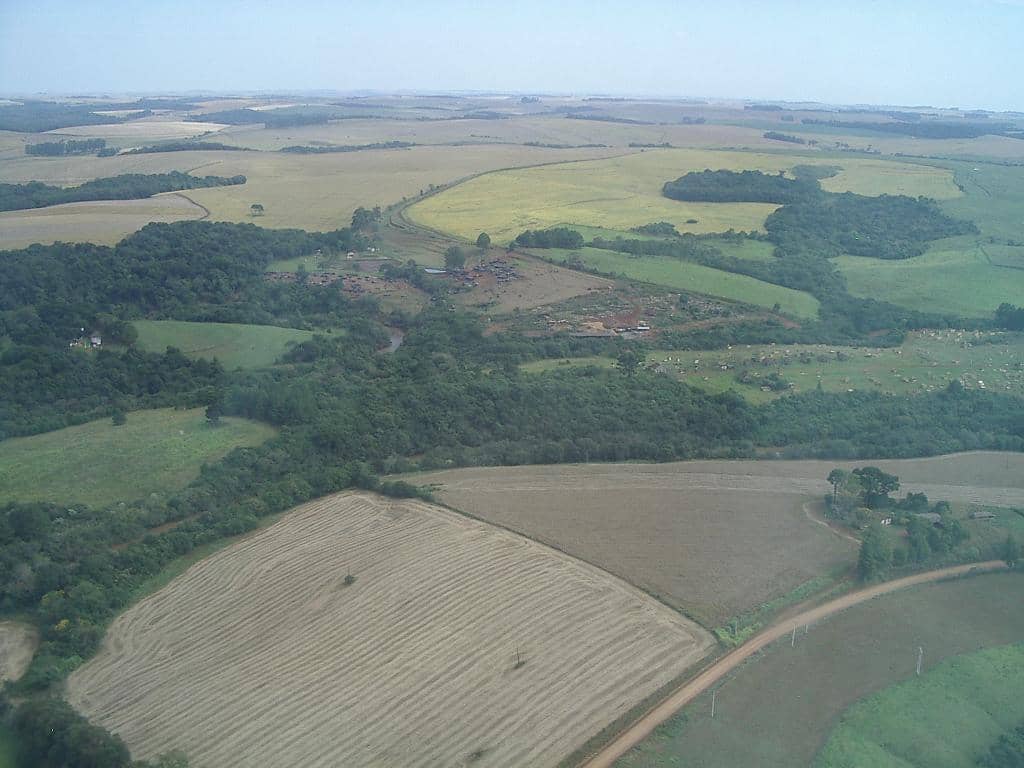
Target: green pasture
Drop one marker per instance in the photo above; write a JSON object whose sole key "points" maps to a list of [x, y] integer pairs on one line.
{"points": [[234, 345], [958, 278], [686, 276], [156, 451], [944, 719], [927, 361]]}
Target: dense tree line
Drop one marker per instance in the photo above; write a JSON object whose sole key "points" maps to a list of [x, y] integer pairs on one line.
{"points": [[285, 117], [185, 270], [776, 136], [925, 129], [129, 186], [555, 237], [46, 388], [303, 149], [65, 148], [184, 146], [885, 227], [1010, 317], [740, 187]]}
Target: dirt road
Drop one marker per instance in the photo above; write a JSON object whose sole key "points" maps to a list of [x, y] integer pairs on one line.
{"points": [[690, 690]]}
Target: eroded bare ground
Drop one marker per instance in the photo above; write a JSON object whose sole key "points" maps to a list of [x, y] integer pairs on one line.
{"points": [[261, 655], [17, 646]]}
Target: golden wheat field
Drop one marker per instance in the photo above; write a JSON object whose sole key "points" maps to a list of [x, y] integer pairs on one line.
{"points": [[412, 664]]}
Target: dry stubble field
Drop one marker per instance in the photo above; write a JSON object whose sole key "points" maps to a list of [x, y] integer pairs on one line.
{"points": [[714, 538], [102, 221], [260, 655]]}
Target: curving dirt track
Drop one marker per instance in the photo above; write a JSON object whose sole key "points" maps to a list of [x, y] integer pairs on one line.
{"points": [[260, 655], [702, 682]]}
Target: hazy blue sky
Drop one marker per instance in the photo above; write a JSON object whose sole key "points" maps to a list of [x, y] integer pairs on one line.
{"points": [[967, 53]]}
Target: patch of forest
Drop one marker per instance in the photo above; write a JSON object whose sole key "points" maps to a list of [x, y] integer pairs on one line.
{"points": [[129, 186]]}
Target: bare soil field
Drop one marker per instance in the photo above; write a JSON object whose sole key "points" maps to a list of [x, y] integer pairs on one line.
{"points": [[539, 283], [713, 538], [140, 130], [710, 544], [103, 221], [17, 646], [412, 664]]}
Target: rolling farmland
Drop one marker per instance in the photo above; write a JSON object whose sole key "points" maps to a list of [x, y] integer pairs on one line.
{"points": [[622, 192], [412, 663], [313, 192], [713, 538]]}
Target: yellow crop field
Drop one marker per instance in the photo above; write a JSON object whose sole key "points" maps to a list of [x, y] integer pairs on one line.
{"points": [[457, 642], [623, 192]]}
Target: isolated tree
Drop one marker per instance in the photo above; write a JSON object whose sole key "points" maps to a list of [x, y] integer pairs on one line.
{"points": [[256, 209], [629, 361], [1011, 551], [483, 241], [213, 413], [365, 218], [454, 258], [119, 417], [837, 477]]}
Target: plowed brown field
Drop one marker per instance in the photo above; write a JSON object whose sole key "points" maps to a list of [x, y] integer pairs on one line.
{"points": [[714, 538], [260, 655]]}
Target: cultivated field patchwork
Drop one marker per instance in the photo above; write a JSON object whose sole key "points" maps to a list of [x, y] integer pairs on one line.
{"points": [[262, 654]]}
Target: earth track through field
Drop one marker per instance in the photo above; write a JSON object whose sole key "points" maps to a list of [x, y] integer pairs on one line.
{"points": [[706, 679]]}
